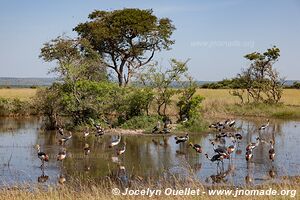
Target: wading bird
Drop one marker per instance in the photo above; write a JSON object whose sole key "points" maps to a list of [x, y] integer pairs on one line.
{"points": [[61, 154], [253, 145], [41, 155], [156, 128], [60, 130], [180, 139], [197, 147], [87, 149], [64, 139], [248, 155], [122, 150], [86, 133], [264, 126], [272, 151], [115, 142]]}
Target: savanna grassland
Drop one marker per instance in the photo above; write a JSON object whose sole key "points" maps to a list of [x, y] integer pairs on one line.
{"points": [[217, 102]]}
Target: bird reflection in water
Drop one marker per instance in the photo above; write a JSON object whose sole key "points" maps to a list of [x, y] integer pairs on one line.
{"points": [[43, 178]]}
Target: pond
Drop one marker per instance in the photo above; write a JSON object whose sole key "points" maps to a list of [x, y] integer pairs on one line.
{"points": [[149, 156]]}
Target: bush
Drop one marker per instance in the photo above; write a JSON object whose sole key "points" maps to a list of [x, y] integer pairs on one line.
{"points": [[141, 122]]}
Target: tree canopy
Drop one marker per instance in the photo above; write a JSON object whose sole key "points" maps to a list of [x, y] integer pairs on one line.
{"points": [[126, 39]]}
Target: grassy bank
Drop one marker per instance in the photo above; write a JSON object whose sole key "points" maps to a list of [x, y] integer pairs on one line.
{"points": [[92, 192]]}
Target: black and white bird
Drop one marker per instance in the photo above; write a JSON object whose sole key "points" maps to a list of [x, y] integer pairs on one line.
{"points": [[272, 151], [115, 142], [253, 145], [180, 139], [156, 128], [248, 155], [264, 126], [197, 147], [41, 155], [87, 149], [86, 133], [215, 158], [64, 139], [99, 131], [231, 123], [60, 130], [61, 154], [219, 149], [121, 150]]}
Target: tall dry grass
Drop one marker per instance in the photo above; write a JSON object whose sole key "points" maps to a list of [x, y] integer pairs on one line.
{"points": [[20, 93]]}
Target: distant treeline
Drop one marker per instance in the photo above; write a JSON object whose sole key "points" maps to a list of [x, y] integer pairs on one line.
{"points": [[11, 82], [235, 84]]}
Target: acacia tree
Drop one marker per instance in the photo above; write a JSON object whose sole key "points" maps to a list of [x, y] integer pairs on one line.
{"points": [[260, 81], [162, 82], [126, 39], [75, 60]]}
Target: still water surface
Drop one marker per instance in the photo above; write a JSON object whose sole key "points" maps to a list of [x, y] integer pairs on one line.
{"points": [[146, 156]]}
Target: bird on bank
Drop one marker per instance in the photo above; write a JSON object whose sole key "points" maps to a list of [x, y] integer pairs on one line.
{"points": [[253, 145], [64, 139], [197, 147], [121, 150], [60, 130], [61, 154], [115, 142], [87, 149], [41, 155], [231, 123], [156, 128], [181, 139], [86, 133], [264, 126], [99, 131], [272, 151]]}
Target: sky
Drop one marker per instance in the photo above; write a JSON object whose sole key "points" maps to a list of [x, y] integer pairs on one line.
{"points": [[213, 34]]}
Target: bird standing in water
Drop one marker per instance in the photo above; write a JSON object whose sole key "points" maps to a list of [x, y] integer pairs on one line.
{"points": [[41, 155], [122, 150], [87, 149], [180, 139], [272, 151], [61, 154], [264, 126], [197, 147], [115, 142]]}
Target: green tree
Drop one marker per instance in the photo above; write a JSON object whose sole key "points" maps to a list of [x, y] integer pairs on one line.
{"points": [[126, 39], [74, 58], [162, 82], [260, 80]]}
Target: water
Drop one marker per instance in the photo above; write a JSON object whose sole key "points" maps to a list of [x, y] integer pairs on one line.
{"points": [[145, 156]]}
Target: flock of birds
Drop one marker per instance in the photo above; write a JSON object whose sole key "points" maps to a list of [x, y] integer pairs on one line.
{"points": [[62, 154], [222, 152]]}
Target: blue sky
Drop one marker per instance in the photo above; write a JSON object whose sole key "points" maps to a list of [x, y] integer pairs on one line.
{"points": [[214, 34]]}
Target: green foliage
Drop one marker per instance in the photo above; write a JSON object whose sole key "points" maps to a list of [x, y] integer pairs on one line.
{"points": [[127, 39], [14, 107], [234, 83], [141, 122], [261, 82], [162, 82], [296, 85], [75, 60]]}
